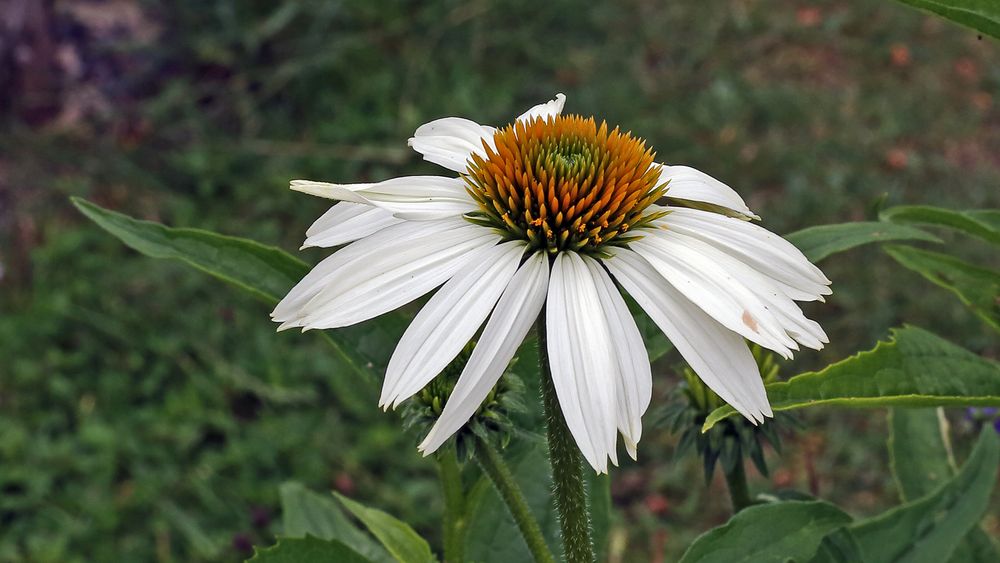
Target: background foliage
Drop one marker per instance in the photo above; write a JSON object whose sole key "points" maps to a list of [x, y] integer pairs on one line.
{"points": [[149, 414]]}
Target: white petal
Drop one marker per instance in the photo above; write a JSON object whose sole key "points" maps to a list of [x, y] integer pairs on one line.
{"points": [[379, 273], [516, 311], [450, 141], [789, 321], [763, 250], [581, 359], [322, 274], [347, 222], [545, 110], [634, 378], [692, 267], [415, 198], [719, 356], [686, 183], [448, 321]]}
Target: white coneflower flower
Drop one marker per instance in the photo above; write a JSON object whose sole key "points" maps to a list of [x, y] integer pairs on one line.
{"points": [[551, 211]]}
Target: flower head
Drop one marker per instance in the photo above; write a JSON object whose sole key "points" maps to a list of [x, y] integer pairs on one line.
{"points": [[552, 211], [564, 183]]}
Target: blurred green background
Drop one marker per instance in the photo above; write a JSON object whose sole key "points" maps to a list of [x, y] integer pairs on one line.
{"points": [[148, 412]]}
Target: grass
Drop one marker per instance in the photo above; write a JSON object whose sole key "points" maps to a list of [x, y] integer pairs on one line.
{"points": [[148, 413]]}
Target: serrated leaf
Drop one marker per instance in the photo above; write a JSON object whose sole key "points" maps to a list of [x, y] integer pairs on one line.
{"points": [[395, 535], [929, 529], [915, 368], [305, 512], [769, 533], [921, 460], [980, 15], [976, 287], [822, 241], [981, 223], [307, 550]]}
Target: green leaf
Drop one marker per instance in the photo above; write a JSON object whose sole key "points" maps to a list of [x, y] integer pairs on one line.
{"points": [[839, 547], [305, 512], [919, 451], [398, 537], [775, 532], [307, 550], [981, 15], [265, 271], [492, 536], [819, 242], [978, 288], [981, 223], [921, 460], [930, 528], [915, 368]]}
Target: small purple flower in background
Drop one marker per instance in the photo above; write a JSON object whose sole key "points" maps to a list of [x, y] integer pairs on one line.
{"points": [[984, 415]]}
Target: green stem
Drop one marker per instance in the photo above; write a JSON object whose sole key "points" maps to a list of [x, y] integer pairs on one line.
{"points": [[739, 491], [454, 505], [493, 465], [567, 475]]}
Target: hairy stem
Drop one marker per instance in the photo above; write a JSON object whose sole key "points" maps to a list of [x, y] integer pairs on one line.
{"points": [[567, 475], [454, 505], [494, 467]]}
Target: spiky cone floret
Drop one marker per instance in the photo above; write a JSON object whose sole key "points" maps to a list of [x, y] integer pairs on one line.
{"points": [[563, 212], [564, 183], [729, 441]]}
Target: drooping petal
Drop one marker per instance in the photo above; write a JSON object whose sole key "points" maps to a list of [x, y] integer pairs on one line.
{"points": [[347, 222], [689, 184], [788, 320], [634, 378], [381, 272], [718, 355], [513, 316], [450, 141], [544, 110], [690, 266], [415, 198], [448, 321], [761, 249], [581, 359]]}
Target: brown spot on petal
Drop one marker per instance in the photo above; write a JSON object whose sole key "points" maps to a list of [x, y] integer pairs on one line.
{"points": [[750, 321]]}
